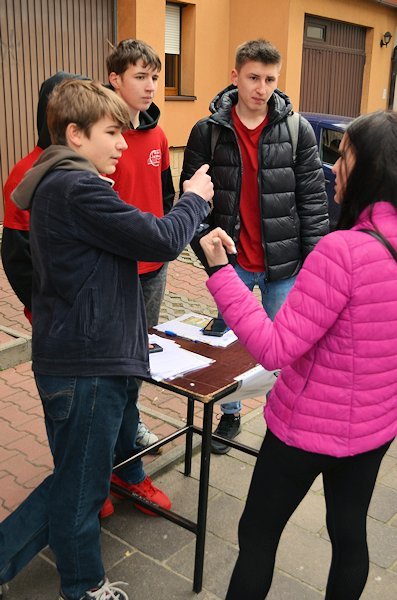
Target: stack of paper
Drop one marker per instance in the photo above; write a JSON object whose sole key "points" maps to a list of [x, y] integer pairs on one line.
{"points": [[173, 361], [190, 325], [253, 383]]}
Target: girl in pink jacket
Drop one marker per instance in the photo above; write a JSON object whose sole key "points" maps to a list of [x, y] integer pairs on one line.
{"points": [[333, 409]]}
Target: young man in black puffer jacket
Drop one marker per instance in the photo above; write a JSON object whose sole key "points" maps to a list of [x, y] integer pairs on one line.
{"points": [[269, 197]]}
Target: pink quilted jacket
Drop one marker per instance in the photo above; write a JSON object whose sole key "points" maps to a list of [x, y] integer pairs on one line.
{"points": [[335, 339]]}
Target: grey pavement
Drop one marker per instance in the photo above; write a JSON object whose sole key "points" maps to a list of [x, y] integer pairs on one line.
{"points": [[156, 557]]}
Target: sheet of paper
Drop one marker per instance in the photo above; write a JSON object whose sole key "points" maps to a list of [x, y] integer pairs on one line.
{"points": [[253, 383], [190, 325], [174, 361]]}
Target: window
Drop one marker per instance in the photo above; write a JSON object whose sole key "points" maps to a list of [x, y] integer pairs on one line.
{"points": [[315, 32], [330, 140], [172, 49]]}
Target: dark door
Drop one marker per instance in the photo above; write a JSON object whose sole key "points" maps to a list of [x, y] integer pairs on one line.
{"points": [[37, 39], [332, 67]]}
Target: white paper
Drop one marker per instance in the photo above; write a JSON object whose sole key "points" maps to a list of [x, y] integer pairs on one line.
{"points": [[253, 383], [190, 325], [173, 361]]}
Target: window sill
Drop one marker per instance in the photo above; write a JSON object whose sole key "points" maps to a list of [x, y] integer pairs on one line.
{"points": [[180, 98]]}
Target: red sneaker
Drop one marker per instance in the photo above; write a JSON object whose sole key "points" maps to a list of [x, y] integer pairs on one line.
{"points": [[107, 509], [147, 490]]}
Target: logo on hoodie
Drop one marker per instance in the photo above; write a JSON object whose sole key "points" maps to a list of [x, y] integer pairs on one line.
{"points": [[154, 158]]}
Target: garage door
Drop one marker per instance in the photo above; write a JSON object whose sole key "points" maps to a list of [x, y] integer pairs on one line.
{"points": [[38, 38], [332, 67]]}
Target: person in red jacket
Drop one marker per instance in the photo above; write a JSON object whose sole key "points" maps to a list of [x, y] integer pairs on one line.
{"points": [[15, 250], [143, 175]]}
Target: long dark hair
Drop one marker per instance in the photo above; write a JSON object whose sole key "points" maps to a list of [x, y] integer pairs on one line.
{"points": [[373, 139]]}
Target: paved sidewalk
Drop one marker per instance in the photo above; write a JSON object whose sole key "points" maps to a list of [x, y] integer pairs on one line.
{"points": [[154, 556]]}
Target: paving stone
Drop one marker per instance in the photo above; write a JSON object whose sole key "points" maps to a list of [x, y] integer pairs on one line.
{"points": [[256, 426], [383, 505], [231, 476], [38, 581], [220, 558], [149, 580], [390, 477], [287, 588], [304, 556], [154, 536], [381, 584], [224, 514], [310, 514], [183, 491], [382, 543], [155, 556], [114, 550]]}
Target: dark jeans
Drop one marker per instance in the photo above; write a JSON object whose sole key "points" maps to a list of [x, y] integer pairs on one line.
{"points": [[282, 477], [89, 421]]}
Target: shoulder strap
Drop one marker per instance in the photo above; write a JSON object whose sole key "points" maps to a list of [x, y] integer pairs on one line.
{"points": [[382, 240], [293, 126], [215, 133]]}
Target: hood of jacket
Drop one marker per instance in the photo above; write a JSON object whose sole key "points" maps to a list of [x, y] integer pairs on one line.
{"points": [[54, 157], [46, 88], [279, 105], [149, 118]]}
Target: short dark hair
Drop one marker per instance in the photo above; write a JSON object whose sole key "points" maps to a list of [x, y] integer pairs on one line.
{"points": [[373, 178], [257, 50], [129, 52]]}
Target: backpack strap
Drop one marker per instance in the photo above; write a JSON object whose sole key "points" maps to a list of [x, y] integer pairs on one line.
{"points": [[378, 236], [293, 127]]}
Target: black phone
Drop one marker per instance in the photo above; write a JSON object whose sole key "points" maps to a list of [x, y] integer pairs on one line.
{"points": [[216, 327], [154, 348]]}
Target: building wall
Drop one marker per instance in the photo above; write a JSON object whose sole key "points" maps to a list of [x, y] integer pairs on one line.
{"points": [[219, 26], [367, 13]]}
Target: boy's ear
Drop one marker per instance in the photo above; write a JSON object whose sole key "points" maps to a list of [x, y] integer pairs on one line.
{"points": [[234, 76], [114, 80], [73, 135]]}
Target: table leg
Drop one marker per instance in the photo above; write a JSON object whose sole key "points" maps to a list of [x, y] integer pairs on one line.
{"points": [[203, 497], [189, 436]]}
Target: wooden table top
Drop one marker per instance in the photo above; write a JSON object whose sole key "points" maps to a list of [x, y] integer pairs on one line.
{"points": [[217, 379]]}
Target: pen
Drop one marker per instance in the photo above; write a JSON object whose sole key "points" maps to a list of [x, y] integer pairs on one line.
{"points": [[173, 334]]}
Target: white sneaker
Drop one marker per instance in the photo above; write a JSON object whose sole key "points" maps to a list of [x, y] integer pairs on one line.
{"points": [[107, 591], [145, 437], [3, 589]]}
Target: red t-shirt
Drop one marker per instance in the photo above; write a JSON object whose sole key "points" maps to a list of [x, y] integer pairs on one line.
{"points": [[14, 217], [137, 179], [250, 250]]}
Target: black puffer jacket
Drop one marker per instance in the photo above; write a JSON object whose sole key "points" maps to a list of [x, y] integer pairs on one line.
{"points": [[293, 202]]}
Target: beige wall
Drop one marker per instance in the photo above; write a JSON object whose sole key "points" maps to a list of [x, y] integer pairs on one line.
{"points": [[210, 66], [366, 13], [216, 27]]}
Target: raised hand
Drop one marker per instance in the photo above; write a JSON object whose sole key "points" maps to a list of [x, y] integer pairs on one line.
{"points": [[200, 184]]}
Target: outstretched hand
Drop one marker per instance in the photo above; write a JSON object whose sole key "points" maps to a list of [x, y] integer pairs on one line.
{"points": [[215, 245], [200, 184]]}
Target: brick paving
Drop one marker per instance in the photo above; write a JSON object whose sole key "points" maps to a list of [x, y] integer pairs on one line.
{"points": [[153, 555]]}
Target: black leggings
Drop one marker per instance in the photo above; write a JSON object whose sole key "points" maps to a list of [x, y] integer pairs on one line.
{"points": [[282, 477]]}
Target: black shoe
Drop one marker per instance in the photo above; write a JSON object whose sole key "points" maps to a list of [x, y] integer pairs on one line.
{"points": [[229, 426]]}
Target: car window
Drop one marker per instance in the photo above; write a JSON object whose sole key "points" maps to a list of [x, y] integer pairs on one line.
{"points": [[329, 147]]}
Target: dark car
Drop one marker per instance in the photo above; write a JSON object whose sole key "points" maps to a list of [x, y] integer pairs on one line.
{"points": [[329, 130]]}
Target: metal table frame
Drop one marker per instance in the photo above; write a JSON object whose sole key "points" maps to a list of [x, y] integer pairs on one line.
{"points": [[183, 386]]}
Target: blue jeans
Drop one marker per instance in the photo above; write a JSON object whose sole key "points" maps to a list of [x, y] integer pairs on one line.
{"points": [[85, 419], [273, 295]]}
